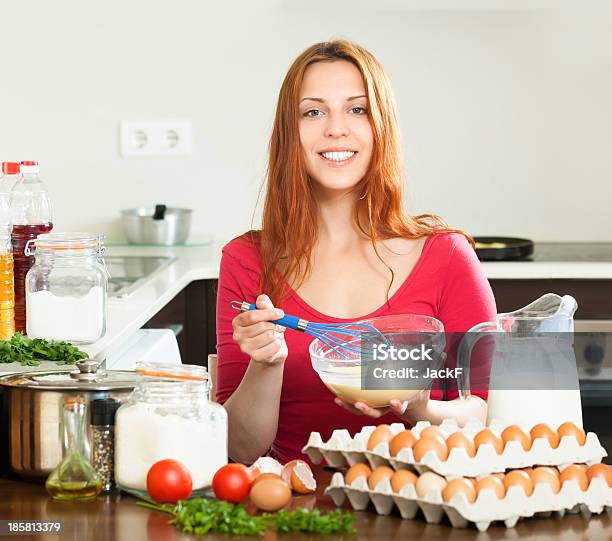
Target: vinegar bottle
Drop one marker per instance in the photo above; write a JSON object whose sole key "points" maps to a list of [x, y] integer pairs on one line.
{"points": [[31, 215]]}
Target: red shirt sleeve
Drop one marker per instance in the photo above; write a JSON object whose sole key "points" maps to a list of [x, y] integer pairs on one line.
{"points": [[238, 281], [466, 300]]}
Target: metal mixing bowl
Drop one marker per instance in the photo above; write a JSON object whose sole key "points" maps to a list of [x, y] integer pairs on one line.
{"points": [[144, 225]]}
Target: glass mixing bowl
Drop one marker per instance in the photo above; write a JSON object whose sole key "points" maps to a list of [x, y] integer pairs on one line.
{"points": [[343, 376]]}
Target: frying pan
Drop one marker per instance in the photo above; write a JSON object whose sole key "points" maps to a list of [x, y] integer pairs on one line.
{"points": [[502, 248]]}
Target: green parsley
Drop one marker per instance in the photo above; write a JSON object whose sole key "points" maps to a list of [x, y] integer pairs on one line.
{"points": [[199, 516], [30, 352]]}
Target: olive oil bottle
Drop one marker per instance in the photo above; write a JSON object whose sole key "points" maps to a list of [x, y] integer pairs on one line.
{"points": [[74, 478]]}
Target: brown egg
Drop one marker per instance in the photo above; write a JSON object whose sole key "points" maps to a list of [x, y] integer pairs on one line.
{"points": [[427, 482], [544, 431], [403, 440], [432, 430], [263, 476], [401, 478], [570, 429], [381, 434], [270, 494], [491, 482], [265, 464], [516, 433], [544, 474], [471, 480], [430, 443], [380, 473], [459, 486], [600, 470], [357, 470], [574, 473], [288, 470], [518, 478], [461, 441], [487, 437]]}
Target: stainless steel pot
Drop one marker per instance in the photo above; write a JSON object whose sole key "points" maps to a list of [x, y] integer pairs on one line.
{"points": [[30, 427], [159, 225]]}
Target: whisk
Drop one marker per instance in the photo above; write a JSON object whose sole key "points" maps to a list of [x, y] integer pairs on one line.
{"points": [[339, 337]]}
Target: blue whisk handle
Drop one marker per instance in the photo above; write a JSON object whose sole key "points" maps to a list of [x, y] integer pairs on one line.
{"points": [[291, 322]]}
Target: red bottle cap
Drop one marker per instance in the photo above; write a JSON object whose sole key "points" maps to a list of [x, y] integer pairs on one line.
{"points": [[10, 168]]}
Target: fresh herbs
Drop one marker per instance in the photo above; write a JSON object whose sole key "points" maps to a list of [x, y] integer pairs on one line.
{"points": [[199, 516], [28, 351]]}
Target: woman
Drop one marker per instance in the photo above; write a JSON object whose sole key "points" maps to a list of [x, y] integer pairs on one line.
{"points": [[335, 246]]}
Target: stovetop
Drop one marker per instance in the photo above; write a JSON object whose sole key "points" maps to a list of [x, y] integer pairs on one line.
{"points": [[568, 252]]}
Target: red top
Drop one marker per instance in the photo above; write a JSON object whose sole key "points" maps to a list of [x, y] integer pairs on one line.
{"points": [[447, 283]]}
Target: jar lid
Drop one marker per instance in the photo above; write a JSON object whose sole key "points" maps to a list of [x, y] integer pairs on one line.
{"points": [[89, 376], [172, 372], [69, 241]]}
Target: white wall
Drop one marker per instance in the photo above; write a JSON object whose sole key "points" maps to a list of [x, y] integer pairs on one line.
{"points": [[506, 115]]}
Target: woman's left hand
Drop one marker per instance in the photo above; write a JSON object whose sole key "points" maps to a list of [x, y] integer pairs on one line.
{"points": [[409, 411]]}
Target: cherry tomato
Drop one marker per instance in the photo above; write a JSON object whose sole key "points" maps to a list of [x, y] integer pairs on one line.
{"points": [[232, 483], [169, 481]]}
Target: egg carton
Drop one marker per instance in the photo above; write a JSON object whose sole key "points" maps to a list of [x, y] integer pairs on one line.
{"points": [[482, 512], [341, 449]]}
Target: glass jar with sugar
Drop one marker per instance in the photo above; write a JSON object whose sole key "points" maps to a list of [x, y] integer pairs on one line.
{"points": [[169, 416], [66, 288]]}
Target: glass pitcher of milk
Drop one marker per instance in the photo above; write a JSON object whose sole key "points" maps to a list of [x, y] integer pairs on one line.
{"points": [[533, 376]]}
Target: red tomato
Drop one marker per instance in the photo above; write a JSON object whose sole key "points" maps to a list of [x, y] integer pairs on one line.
{"points": [[169, 481], [232, 483]]}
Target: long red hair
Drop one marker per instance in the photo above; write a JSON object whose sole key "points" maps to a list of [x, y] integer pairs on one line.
{"points": [[289, 226]]}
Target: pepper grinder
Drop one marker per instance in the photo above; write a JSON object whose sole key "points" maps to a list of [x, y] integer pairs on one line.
{"points": [[103, 439]]}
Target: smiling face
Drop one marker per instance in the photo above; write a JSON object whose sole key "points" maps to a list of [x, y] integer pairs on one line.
{"points": [[335, 131]]}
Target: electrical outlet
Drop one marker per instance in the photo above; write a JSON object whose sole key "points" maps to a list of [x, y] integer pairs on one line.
{"points": [[155, 138]]}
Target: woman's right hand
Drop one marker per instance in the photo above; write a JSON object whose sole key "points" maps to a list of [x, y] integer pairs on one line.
{"points": [[257, 336]]}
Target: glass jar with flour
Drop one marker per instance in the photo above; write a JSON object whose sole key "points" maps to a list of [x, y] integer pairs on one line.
{"points": [[66, 288], [169, 416]]}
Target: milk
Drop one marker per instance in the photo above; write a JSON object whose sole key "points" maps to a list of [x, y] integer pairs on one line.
{"points": [[530, 407]]}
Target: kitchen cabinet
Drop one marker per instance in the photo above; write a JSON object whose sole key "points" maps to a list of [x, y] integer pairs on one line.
{"points": [[191, 313]]}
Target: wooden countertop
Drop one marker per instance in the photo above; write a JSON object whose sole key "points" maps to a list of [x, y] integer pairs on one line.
{"points": [[117, 517]]}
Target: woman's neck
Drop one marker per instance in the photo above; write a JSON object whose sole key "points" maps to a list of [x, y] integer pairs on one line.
{"points": [[335, 219]]}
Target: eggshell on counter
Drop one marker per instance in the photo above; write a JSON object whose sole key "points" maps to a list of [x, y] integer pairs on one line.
{"points": [[381, 434], [570, 429], [357, 470], [487, 437], [459, 440], [542, 430], [401, 478], [427, 482], [403, 440], [516, 433], [265, 464], [430, 443], [270, 494], [298, 475], [380, 473]]}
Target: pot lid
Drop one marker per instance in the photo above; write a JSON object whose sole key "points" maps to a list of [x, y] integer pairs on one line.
{"points": [[89, 376]]}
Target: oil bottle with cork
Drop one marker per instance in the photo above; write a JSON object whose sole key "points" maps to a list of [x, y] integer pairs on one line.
{"points": [[74, 478]]}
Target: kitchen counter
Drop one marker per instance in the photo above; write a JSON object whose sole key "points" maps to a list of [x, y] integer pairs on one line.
{"points": [[117, 517]]}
